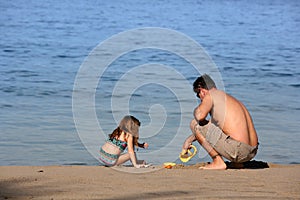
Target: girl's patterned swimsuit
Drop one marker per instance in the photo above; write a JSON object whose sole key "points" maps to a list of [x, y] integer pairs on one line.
{"points": [[110, 159]]}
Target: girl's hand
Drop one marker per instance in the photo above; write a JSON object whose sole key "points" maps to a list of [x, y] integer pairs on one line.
{"points": [[146, 145], [139, 166], [142, 166]]}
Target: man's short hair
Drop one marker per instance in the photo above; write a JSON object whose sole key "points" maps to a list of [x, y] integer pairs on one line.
{"points": [[205, 82]]}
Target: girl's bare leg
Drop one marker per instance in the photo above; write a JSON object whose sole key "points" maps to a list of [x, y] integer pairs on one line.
{"points": [[123, 158], [126, 157]]}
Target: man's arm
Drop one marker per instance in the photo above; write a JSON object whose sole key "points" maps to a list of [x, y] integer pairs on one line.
{"points": [[201, 111]]}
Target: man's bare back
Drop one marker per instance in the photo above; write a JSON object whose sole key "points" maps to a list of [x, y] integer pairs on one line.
{"points": [[232, 117]]}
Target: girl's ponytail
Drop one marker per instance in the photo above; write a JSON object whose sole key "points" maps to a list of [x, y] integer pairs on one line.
{"points": [[116, 133]]}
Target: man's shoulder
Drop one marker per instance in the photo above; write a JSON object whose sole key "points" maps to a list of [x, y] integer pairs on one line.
{"points": [[218, 93]]}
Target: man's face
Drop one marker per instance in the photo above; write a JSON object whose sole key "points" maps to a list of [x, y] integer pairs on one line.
{"points": [[199, 93]]}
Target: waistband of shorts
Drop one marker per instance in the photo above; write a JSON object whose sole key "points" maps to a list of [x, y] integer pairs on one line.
{"points": [[252, 147]]}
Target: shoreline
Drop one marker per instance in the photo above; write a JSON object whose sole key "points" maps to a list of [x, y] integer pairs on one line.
{"points": [[186, 182]]}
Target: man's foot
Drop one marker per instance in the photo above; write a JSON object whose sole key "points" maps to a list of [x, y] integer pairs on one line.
{"points": [[217, 163]]}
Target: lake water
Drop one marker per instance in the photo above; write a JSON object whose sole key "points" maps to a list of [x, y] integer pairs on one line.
{"points": [[255, 46]]}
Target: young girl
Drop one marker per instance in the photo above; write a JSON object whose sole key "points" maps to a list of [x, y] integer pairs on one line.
{"points": [[125, 135]]}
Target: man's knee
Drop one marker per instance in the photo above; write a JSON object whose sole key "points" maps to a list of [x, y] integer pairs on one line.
{"points": [[193, 125]]}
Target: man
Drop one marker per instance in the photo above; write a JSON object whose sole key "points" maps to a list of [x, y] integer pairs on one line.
{"points": [[229, 133]]}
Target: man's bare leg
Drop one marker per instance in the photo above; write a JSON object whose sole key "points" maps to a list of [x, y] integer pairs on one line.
{"points": [[218, 162]]}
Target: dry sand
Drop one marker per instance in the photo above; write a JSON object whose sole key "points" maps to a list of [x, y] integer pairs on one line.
{"points": [[181, 182]]}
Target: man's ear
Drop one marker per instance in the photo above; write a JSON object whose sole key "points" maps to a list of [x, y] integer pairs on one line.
{"points": [[203, 92]]}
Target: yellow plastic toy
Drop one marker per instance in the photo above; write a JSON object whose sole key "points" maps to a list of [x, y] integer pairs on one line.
{"points": [[190, 154]]}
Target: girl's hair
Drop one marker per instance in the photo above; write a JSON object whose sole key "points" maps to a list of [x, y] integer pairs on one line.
{"points": [[117, 132]]}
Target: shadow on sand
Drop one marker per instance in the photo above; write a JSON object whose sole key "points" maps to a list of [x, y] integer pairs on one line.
{"points": [[253, 164]]}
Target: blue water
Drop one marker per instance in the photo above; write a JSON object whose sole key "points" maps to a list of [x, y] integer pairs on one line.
{"points": [[256, 46]]}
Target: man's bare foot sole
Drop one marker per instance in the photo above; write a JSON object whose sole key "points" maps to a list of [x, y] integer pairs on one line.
{"points": [[214, 166]]}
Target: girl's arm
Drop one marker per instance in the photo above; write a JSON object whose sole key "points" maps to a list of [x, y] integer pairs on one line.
{"points": [[131, 152], [144, 145]]}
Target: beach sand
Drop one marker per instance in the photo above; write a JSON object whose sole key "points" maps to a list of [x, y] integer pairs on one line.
{"points": [[180, 182]]}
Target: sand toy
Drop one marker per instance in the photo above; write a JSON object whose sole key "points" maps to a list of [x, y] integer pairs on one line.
{"points": [[189, 155]]}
